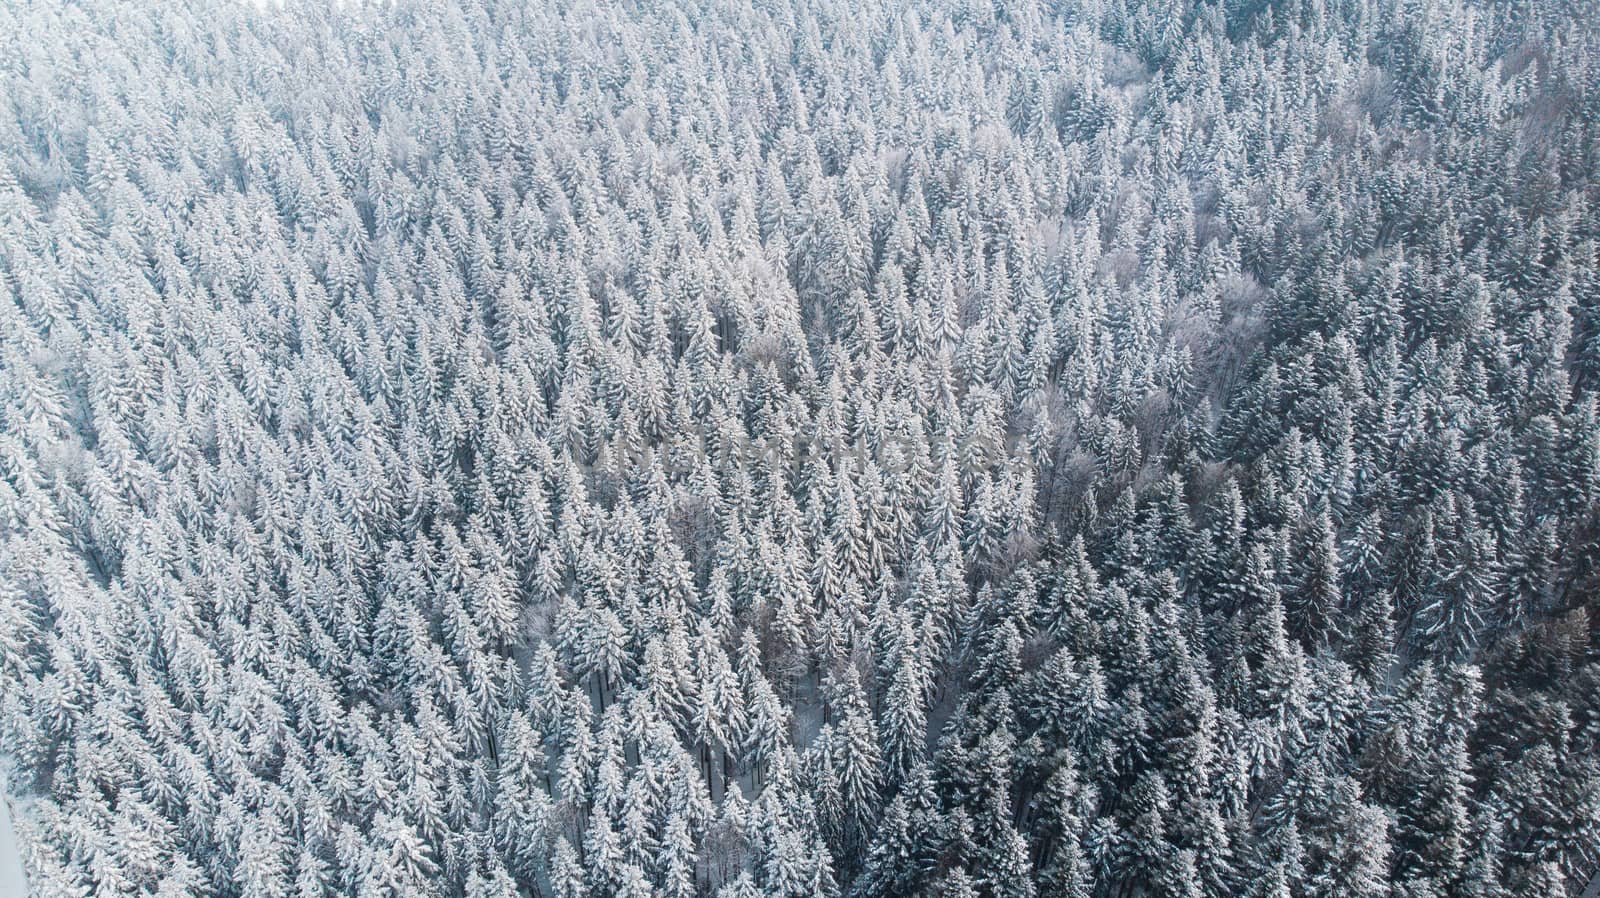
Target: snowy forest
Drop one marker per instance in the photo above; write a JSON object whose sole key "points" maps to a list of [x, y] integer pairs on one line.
{"points": [[801, 448]]}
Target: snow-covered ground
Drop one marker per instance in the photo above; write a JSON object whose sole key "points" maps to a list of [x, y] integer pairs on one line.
{"points": [[11, 882]]}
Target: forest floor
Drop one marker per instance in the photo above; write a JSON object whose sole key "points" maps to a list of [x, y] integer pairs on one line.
{"points": [[1593, 889], [12, 885]]}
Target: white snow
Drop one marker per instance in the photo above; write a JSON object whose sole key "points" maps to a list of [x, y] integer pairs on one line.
{"points": [[12, 885]]}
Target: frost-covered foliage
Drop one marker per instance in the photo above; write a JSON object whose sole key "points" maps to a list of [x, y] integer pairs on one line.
{"points": [[1106, 449]]}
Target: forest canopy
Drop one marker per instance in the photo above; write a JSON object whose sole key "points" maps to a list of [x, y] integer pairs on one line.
{"points": [[801, 448]]}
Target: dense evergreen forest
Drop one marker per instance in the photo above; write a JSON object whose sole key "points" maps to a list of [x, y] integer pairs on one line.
{"points": [[801, 448]]}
